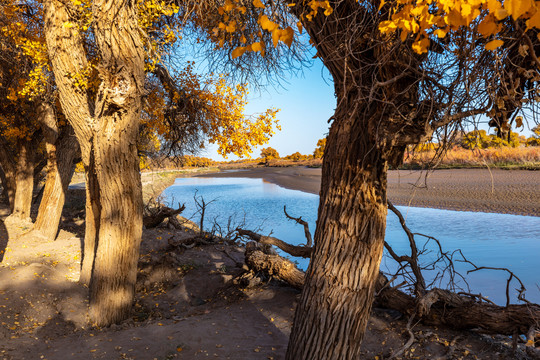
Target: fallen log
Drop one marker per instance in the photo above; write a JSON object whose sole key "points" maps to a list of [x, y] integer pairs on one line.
{"points": [[273, 265], [443, 307]]}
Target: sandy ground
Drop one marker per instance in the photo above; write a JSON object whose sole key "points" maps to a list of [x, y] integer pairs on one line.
{"points": [[190, 303], [499, 191]]}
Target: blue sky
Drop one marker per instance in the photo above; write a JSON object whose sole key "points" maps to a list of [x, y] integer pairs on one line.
{"points": [[307, 101]]}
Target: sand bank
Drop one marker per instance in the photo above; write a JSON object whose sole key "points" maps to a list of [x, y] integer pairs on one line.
{"points": [[500, 191]]}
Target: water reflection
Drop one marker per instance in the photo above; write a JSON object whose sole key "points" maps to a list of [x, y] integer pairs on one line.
{"points": [[488, 239]]}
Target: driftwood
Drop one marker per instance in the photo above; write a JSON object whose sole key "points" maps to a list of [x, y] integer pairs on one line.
{"points": [[273, 265], [156, 215], [442, 307]]}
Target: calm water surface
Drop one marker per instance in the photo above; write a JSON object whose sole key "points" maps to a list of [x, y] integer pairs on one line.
{"points": [[497, 240]]}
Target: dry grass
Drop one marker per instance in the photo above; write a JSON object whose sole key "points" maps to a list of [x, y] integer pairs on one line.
{"points": [[505, 157]]}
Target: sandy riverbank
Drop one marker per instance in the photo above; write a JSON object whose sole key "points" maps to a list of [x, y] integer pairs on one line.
{"points": [[500, 191]]}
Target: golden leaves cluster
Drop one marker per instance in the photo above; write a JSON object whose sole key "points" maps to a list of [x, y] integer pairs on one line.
{"points": [[436, 18], [232, 10], [217, 107]]}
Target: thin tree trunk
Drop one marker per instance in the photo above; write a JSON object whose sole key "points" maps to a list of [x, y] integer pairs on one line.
{"points": [[8, 191], [61, 156], [24, 180], [7, 161], [336, 301]]}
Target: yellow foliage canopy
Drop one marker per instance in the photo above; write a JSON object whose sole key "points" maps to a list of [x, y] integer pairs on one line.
{"points": [[424, 18]]}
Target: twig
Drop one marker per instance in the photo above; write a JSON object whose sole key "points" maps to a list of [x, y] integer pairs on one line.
{"points": [[409, 342], [309, 239]]}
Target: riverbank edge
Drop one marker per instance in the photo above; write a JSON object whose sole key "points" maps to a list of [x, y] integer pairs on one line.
{"points": [[448, 193]]}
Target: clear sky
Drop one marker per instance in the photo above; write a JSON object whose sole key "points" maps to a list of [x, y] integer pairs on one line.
{"points": [[306, 104]]}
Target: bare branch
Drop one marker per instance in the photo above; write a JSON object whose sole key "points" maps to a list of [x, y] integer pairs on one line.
{"points": [[309, 241], [301, 251]]}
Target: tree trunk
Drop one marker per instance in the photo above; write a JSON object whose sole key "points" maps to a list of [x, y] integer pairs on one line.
{"points": [[114, 273], [7, 161], [60, 157], [24, 181], [107, 131], [336, 301], [8, 188]]}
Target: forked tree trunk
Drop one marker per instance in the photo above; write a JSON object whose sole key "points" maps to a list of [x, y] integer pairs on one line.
{"points": [[332, 314], [60, 157], [107, 131]]}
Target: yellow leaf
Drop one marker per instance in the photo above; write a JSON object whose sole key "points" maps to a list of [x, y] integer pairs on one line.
{"points": [[267, 24], [421, 46], [519, 121], [258, 4], [231, 27], [493, 44], [501, 14], [516, 8], [287, 36], [387, 26], [534, 21], [239, 51], [258, 46], [466, 10], [440, 33], [487, 27], [228, 5]]}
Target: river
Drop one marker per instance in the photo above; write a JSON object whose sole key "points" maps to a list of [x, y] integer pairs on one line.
{"points": [[486, 239]]}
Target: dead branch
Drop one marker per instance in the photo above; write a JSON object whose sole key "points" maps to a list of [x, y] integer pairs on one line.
{"points": [[521, 290], [309, 239], [420, 284], [201, 209], [409, 342], [301, 251]]}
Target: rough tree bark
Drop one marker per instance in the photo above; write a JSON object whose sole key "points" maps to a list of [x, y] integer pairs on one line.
{"points": [[335, 305], [107, 132], [62, 149]]}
